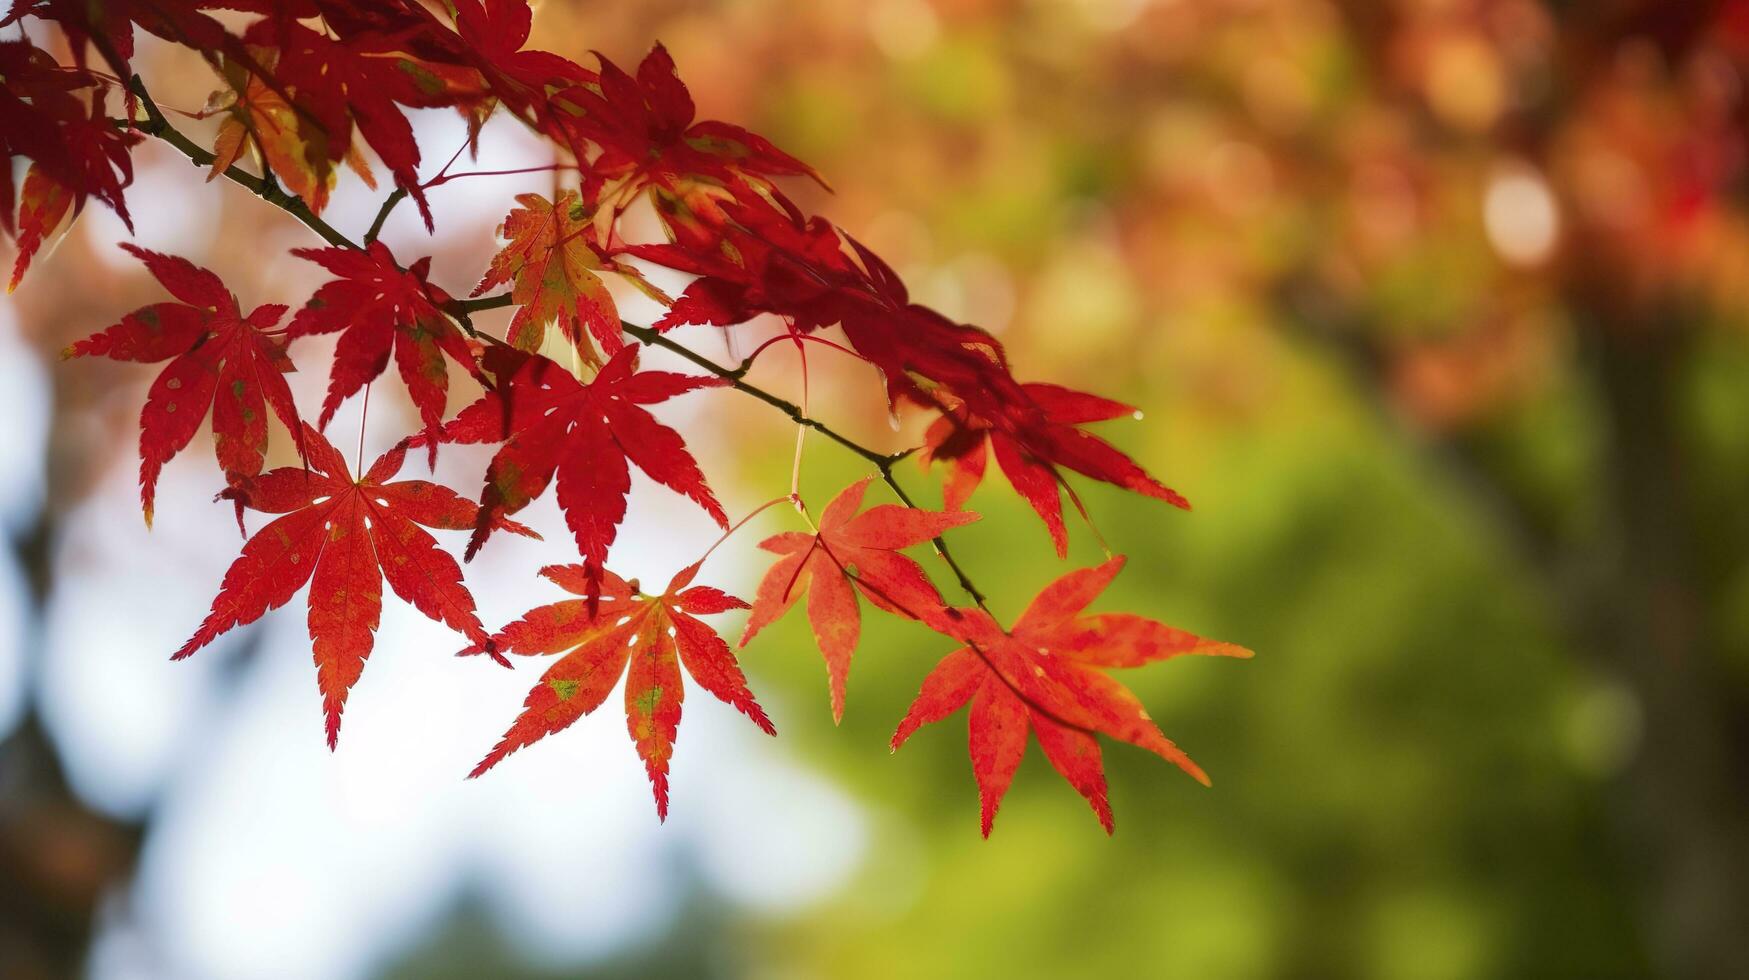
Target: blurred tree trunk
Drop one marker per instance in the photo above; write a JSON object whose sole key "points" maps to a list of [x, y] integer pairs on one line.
{"points": [[1629, 600], [1684, 797], [1632, 601], [59, 859]]}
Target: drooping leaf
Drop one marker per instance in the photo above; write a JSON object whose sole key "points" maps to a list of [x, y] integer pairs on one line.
{"points": [[614, 631], [220, 361], [769, 258], [360, 77], [1041, 434], [53, 117], [850, 553], [42, 219], [1046, 675], [259, 118], [550, 255], [345, 536]]}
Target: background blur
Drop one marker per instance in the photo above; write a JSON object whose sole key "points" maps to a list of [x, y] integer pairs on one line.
{"points": [[1435, 309]]}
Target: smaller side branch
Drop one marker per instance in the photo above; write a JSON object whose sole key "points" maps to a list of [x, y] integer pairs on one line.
{"points": [[376, 227], [156, 125], [882, 462]]}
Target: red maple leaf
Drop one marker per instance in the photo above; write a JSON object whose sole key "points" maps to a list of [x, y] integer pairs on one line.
{"points": [[384, 309], [772, 260], [362, 77], [646, 129], [53, 116], [549, 253], [1040, 435], [1044, 676], [585, 435], [220, 360], [42, 214], [850, 552], [617, 630], [492, 33], [345, 537]]}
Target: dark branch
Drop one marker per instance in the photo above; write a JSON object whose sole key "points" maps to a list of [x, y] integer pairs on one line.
{"points": [[376, 227], [883, 462], [156, 125]]}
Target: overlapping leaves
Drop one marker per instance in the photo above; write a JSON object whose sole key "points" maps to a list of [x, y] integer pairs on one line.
{"points": [[647, 137], [311, 84], [53, 117]]}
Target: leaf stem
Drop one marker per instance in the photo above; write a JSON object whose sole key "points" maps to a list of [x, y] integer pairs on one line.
{"points": [[738, 525], [363, 417], [747, 362], [883, 462], [444, 178]]}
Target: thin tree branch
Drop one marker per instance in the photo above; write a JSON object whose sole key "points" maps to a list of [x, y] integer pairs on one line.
{"points": [[883, 462], [376, 227], [156, 125]]}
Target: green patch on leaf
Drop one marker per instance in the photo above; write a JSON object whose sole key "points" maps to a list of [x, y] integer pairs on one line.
{"points": [[423, 77], [646, 702]]}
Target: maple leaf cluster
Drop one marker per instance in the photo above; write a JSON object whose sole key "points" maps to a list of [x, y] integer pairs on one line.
{"points": [[311, 85]]}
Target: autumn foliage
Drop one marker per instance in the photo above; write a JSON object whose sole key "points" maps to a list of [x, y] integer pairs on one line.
{"points": [[305, 90]]}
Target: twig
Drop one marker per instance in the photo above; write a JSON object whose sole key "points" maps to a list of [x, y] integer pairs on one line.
{"points": [[376, 227], [156, 125], [883, 462]]}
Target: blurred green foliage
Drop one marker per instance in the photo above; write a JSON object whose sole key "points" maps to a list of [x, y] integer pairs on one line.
{"points": [[1404, 781], [1308, 240]]}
